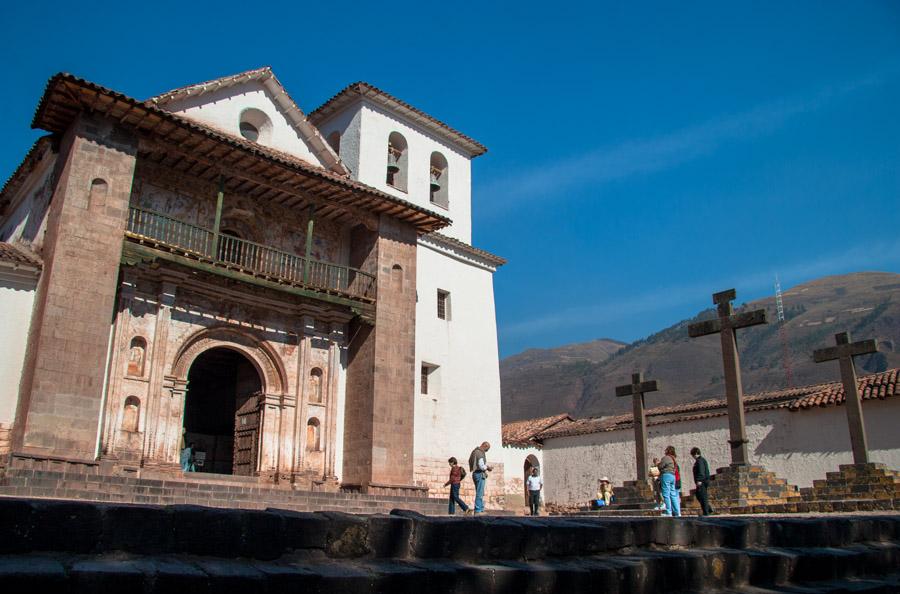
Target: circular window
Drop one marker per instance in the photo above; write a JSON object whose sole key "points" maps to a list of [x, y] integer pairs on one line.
{"points": [[249, 131], [254, 125]]}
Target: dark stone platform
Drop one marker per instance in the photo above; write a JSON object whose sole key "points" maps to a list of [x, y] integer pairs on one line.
{"points": [[81, 547]]}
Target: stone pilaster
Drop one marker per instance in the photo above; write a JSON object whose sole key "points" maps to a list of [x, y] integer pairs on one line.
{"points": [[62, 384]]}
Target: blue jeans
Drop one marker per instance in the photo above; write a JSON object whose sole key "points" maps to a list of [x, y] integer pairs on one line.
{"points": [[670, 495], [454, 499], [479, 478]]}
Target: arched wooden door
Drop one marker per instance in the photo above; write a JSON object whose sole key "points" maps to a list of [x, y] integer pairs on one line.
{"points": [[247, 421]]}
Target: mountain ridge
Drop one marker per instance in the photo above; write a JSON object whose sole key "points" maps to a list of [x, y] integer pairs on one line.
{"points": [[580, 380]]}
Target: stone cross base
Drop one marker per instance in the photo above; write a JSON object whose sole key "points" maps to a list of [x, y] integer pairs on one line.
{"points": [[856, 482], [742, 487], [634, 492]]}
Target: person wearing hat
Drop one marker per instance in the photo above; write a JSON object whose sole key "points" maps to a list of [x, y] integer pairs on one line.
{"points": [[605, 493]]}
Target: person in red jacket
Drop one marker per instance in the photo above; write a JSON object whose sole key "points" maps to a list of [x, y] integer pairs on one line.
{"points": [[457, 474]]}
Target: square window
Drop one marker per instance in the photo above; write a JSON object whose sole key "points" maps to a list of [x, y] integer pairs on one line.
{"points": [[429, 380], [443, 304]]}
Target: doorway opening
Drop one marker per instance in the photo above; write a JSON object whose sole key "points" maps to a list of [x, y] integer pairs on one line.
{"points": [[530, 462], [221, 412]]}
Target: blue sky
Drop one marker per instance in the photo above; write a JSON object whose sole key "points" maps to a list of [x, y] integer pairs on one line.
{"points": [[642, 155]]}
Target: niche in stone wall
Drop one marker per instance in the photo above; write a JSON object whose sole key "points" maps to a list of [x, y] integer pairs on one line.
{"points": [[97, 197], [131, 415], [315, 385], [312, 435], [137, 354]]}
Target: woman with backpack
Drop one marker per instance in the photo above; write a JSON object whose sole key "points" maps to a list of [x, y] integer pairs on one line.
{"points": [[670, 479]]}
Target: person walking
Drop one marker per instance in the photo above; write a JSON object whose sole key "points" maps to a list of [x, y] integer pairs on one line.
{"points": [[479, 468], [457, 474], [667, 468], [535, 484], [701, 479]]}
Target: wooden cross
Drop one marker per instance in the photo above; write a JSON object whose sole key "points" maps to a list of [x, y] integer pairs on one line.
{"points": [[636, 390], [726, 325], [844, 352]]}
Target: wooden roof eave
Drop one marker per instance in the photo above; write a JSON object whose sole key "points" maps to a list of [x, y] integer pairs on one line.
{"points": [[64, 90]]}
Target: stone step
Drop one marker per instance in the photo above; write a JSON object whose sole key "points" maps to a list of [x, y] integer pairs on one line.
{"points": [[215, 493], [215, 551]]}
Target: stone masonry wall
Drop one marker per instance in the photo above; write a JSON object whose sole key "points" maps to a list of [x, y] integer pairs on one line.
{"points": [[434, 472], [395, 356], [60, 393]]}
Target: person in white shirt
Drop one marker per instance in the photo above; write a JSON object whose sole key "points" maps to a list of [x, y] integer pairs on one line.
{"points": [[535, 484]]}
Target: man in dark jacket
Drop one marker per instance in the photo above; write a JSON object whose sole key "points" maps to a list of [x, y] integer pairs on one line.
{"points": [[701, 479]]}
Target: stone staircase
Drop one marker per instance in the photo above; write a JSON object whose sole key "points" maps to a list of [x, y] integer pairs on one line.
{"points": [[86, 547], [743, 488], [198, 489], [855, 482]]}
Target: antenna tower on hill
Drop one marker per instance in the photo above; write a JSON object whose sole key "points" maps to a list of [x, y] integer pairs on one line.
{"points": [[782, 333]]}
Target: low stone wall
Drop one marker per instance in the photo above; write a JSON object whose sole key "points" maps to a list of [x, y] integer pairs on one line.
{"points": [[82, 547]]}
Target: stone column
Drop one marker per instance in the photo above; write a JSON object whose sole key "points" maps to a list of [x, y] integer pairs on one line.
{"points": [[160, 411], [109, 445], [269, 429], [62, 381], [334, 371], [171, 399]]}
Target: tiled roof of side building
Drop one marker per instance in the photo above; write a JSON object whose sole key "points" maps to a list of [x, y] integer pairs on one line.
{"points": [[19, 256], [877, 386], [364, 90], [520, 433]]}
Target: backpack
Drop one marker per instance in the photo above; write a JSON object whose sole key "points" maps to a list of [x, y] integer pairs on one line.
{"points": [[462, 473], [677, 476]]}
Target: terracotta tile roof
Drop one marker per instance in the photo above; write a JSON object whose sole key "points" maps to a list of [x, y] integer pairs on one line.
{"points": [[521, 433], [461, 245], [876, 386], [363, 89], [32, 158], [19, 256], [65, 95]]}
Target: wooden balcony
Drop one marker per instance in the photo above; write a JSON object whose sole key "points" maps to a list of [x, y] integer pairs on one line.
{"points": [[233, 255]]}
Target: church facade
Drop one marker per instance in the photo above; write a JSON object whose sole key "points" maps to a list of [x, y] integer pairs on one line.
{"points": [[294, 296]]}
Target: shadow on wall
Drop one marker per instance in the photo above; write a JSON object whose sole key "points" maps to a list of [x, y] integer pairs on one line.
{"points": [[825, 432], [19, 285]]}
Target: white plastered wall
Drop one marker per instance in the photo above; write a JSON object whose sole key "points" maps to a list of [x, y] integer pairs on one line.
{"points": [[222, 109], [797, 446], [16, 303], [365, 129], [465, 410]]}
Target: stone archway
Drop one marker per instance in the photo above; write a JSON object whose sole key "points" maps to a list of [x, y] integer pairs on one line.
{"points": [[266, 361], [268, 399]]}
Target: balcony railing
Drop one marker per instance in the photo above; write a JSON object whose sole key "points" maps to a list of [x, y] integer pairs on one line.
{"points": [[248, 257]]}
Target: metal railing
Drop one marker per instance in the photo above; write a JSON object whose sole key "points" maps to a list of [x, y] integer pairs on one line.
{"points": [[248, 257]]}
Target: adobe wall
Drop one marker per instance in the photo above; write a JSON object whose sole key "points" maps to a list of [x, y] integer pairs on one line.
{"points": [[462, 407], [16, 303], [798, 446]]}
